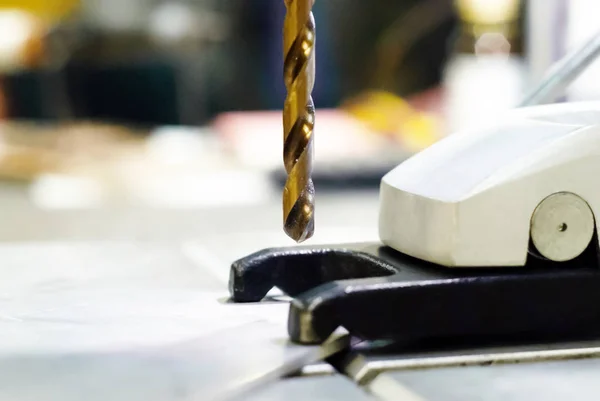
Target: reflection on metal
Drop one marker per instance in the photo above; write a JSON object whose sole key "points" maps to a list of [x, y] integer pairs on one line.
{"points": [[364, 369], [317, 369], [379, 384]]}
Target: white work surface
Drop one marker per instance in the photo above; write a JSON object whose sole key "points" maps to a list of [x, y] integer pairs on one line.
{"points": [[109, 321], [130, 305]]}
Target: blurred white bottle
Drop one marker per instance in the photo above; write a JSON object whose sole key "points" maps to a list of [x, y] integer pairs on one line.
{"points": [[483, 77]]}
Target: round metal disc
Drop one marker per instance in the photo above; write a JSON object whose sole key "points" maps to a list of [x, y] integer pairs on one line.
{"points": [[562, 226]]}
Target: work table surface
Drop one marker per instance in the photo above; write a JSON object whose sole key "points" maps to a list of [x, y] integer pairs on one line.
{"points": [[130, 303]]}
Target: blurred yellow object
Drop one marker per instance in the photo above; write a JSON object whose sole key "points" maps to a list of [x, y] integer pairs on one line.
{"points": [[51, 10], [388, 114], [419, 132], [375, 109], [488, 12]]}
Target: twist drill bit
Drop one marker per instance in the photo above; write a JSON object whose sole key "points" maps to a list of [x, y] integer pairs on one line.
{"points": [[299, 119]]}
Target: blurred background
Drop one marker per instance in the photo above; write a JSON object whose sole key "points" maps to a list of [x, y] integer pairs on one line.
{"points": [[177, 104]]}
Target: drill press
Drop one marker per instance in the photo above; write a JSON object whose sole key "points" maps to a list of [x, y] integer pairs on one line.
{"points": [[489, 234]]}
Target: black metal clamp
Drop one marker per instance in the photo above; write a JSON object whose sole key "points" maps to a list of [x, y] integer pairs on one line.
{"points": [[377, 293]]}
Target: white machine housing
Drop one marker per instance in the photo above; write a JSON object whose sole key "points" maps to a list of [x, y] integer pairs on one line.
{"points": [[468, 200]]}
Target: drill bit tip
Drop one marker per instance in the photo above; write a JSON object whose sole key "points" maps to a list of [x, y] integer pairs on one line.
{"points": [[299, 223], [298, 232]]}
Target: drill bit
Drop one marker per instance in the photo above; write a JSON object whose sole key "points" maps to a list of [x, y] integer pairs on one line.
{"points": [[299, 119]]}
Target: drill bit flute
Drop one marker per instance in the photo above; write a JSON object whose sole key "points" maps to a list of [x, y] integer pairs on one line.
{"points": [[299, 119]]}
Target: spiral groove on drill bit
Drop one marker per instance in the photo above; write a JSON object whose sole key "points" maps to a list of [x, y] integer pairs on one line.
{"points": [[299, 119]]}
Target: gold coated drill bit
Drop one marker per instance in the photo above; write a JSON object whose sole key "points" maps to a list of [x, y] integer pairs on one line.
{"points": [[299, 119]]}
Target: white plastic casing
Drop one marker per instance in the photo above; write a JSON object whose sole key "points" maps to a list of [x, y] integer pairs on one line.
{"points": [[468, 199]]}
